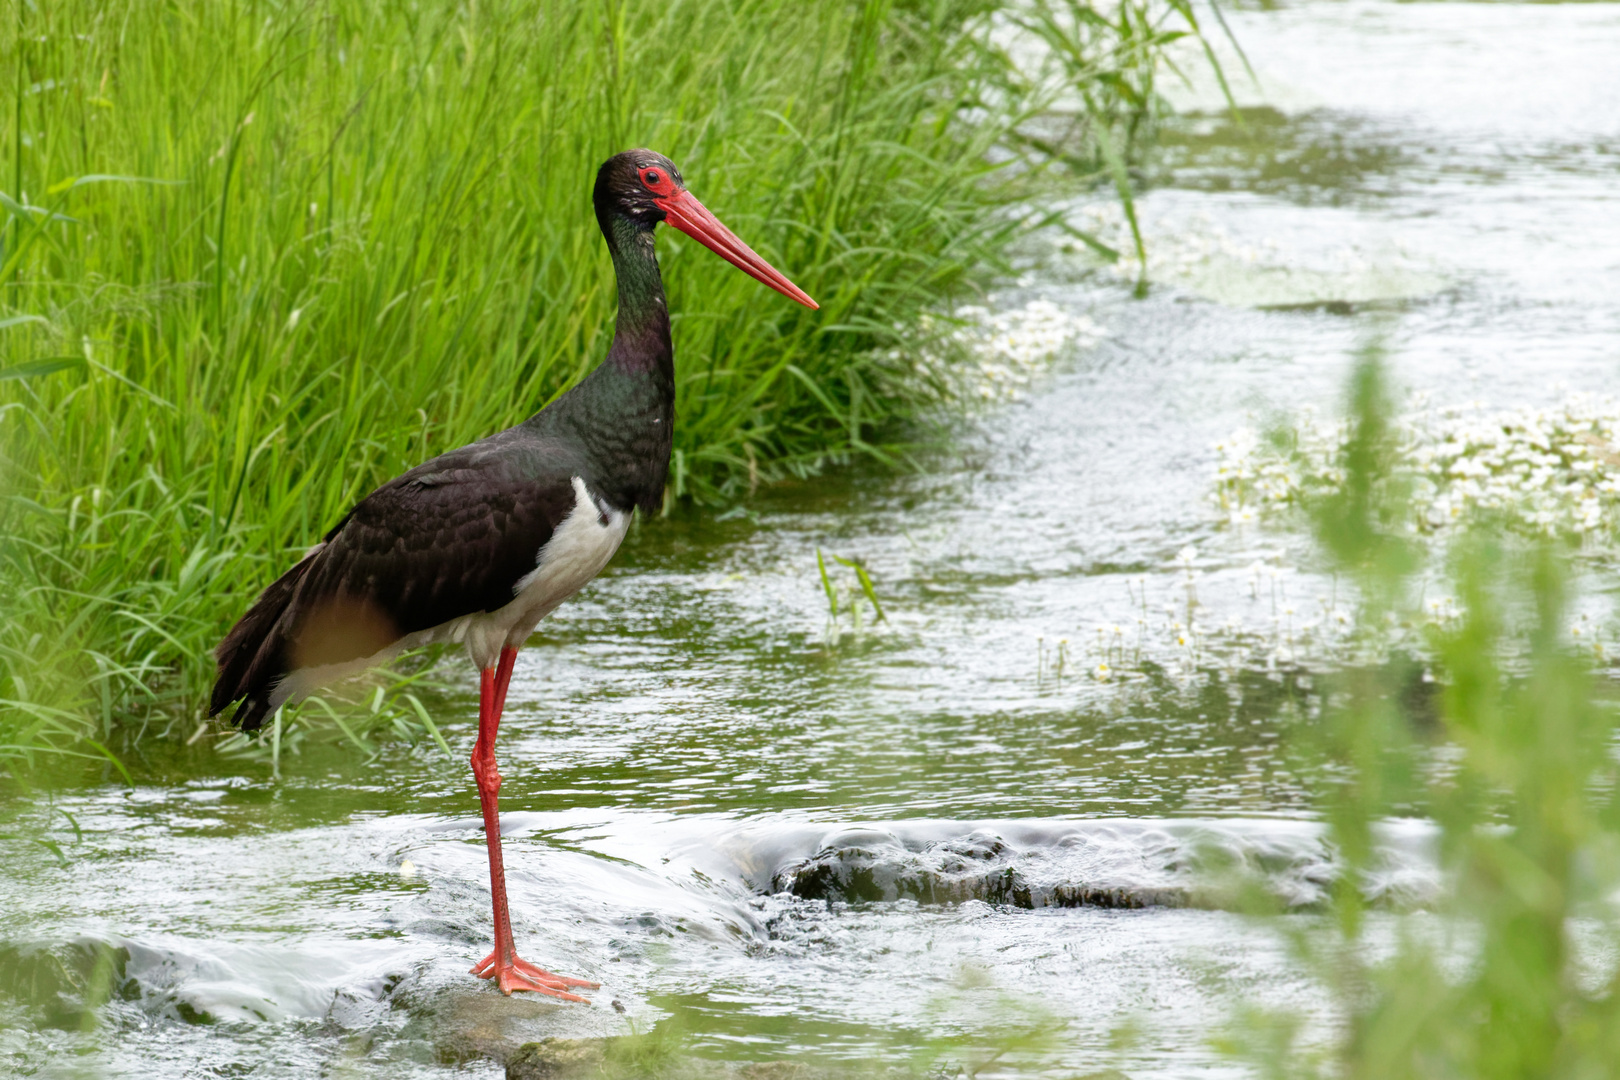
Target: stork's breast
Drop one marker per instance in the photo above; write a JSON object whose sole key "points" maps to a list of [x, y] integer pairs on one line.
{"points": [[579, 548]]}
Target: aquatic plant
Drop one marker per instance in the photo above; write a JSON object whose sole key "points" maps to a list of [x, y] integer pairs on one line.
{"points": [[985, 355], [1538, 474], [1100, 65], [1515, 975], [841, 596], [1542, 472]]}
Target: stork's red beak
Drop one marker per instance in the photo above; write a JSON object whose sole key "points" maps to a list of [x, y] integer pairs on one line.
{"points": [[684, 212]]}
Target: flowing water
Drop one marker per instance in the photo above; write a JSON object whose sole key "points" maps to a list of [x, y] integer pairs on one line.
{"points": [[798, 839]]}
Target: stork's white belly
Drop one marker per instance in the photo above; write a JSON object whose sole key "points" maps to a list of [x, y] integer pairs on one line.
{"points": [[579, 548]]}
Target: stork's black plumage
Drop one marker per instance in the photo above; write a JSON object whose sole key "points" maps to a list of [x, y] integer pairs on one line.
{"points": [[478, 545]]}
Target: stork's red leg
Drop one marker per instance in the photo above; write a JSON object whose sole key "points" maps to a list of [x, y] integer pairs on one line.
{"points": [[510, 971]]}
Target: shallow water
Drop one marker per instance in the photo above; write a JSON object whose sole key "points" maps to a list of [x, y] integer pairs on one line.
{"points": [[804, 841]]}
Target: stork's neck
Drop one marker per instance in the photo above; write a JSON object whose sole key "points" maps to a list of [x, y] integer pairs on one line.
{"points": [[641, 342], [619, 419]]}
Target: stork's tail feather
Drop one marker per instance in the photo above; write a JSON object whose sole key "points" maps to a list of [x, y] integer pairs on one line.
{"points": [[253, 656], [249, 716]]}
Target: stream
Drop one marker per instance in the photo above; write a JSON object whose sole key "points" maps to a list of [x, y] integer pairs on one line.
{"points": [[989, 830]]}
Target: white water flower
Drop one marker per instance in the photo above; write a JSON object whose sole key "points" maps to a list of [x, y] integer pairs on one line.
{"points": [[1549, 471], [996, 353]]}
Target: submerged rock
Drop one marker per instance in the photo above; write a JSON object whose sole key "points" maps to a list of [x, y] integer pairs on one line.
{"points": [[874, 866], [557, 1058], [650, 1054], [868, 866], [61, 984], [470, 1024], [1102, 863]]}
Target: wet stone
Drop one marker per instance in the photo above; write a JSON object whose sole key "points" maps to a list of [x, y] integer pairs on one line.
{"points": [[557, 1058], [781, 1070], [627, 1056], [980, 866], [472, 1025], [1105, 896], [870, 866], [61, 984]]}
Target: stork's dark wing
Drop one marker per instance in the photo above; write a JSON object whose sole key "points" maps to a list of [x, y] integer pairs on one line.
{"points": [[449, 538]]}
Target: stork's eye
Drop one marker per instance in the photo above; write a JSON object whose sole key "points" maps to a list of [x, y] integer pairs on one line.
{"points": [[657, 181]]}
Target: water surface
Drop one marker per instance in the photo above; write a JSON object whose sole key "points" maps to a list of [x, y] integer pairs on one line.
{"points": [[802, 841]]}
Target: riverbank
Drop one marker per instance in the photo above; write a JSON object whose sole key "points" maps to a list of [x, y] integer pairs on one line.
{"points": [[255, 264]]}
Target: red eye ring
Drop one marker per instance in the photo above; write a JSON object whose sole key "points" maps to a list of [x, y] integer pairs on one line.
{"points": [[656, 180]]}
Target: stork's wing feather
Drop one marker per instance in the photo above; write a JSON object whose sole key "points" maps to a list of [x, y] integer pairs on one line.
{"points": [[451, 537], [427, 548]]}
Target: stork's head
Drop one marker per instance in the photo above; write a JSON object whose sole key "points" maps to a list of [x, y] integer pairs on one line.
{"points": [[645, 187]]}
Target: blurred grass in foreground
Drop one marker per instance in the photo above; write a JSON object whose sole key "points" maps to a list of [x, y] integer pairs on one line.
{"points": [[1514, 973], [257, 258]]}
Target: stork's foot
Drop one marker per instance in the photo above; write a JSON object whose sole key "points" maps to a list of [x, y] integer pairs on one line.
{"points": [[519, 974]]}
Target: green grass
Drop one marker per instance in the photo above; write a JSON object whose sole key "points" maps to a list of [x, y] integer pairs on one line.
{"points": [[256, 258], [1514, 972]]}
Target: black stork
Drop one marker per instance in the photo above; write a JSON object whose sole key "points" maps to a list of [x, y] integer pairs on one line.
{"points": [[478, 545]]}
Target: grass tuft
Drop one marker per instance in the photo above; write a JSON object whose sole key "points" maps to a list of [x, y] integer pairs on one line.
{"points": [[256, 259]]}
